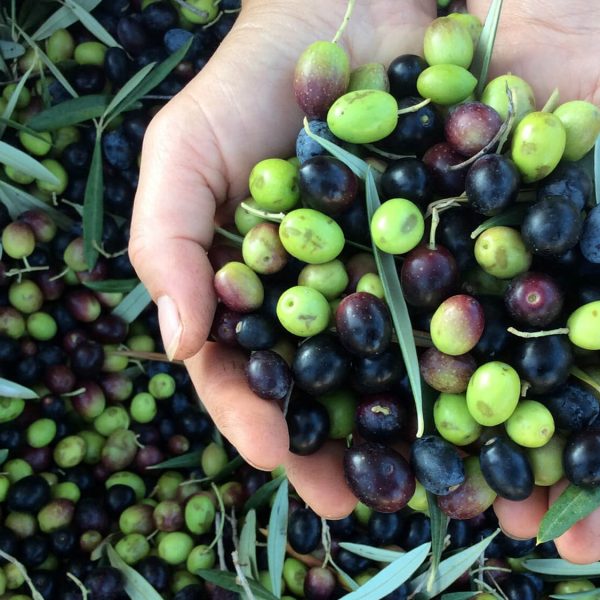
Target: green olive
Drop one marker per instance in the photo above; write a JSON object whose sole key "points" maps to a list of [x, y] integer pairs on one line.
{"points": [[501, 252], [329, 278], [38, 144], [341, 407], [303, 311], [371, 283], [200, 12], [418, 501], [493, 393], [447, 41], [584, 326], [60, 46], [537, 145], [90, 53], [363, 116], [311, 236], [274, 185], [446, 84], [370, 76], [581, 121], [244, 219], [495, 95], [531, 425], [453, 420], [397, 226], [546, 461]]}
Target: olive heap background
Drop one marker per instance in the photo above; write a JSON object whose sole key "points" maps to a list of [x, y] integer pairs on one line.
{"points": [[76, 455]]}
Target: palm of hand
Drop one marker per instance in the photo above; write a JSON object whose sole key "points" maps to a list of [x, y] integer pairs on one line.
{"points": [[241, 109]]}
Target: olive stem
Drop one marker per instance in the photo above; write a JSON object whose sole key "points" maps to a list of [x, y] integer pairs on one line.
{"points": [[79, 584], [238, 239], [510, 119], [538, 334], [241, 577], [269, 216], [326, 542], [345, 21], [220, 545], [435, 221], [220, 523], [552, 101], [414, 107], [445, 204]]}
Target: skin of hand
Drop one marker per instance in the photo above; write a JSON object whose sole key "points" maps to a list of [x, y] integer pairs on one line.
{"points": [[240, 109]]}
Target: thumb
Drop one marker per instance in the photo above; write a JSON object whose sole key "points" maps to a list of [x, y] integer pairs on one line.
{"points": [[172, 225]]}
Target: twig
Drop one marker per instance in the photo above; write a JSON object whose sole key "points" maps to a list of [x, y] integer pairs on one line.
{"points": [[241, 577], [538, 334]]}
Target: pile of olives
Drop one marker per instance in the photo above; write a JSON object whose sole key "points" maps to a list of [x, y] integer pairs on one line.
{"points": [[491, 219]]}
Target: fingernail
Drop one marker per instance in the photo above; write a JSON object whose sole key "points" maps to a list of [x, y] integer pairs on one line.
{"points": [[170, 325]]}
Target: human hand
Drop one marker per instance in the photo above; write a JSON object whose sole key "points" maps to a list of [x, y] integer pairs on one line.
{"points": [[550, 45], [198, 153], [239, 110]]}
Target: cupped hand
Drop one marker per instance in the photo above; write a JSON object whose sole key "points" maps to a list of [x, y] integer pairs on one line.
{"points": [[198, 153]]}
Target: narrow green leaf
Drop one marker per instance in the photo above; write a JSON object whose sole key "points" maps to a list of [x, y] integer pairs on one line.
{"points": [[570, 507], [127, 88], [61, 19], [588, 595], [485, 46], [17, 159], [344, 576], [597, 169], [70, 112], [263, 494], [18, 201], [231, 467], [459, 596], [153, 79], [93, 206], [10, 49], [247, 551], [20, 127], [372, 553], [561, 568], [135, 586], [3, 455], [33, 13], [189, 460], [9, 389], [386, 266], [358, 166], [92, 25], [450, 570], [439, 526], [56, 72], [133, 304], [277, 537], [228, 581], [512, 216], [112, 285], [392, 577], [12, 101], [587, 379]]}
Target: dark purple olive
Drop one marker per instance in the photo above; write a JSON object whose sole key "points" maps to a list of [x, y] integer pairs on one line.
{"points": [[379, 476], [581, 458], [268, 375], [308, 425], [381, 417]]}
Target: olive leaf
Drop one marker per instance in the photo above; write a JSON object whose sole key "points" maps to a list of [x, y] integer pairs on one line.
{"points": [[12, 101], [93, 206], [263, 494], [70, 112], [439, 526], [10, 389], [350, 583], [61, 19], [111, 286], [371, 552], [229, 581], [277, 537], [511, 216], [449, 570], [127, 88], [135, 586], [18, 201], [561, 568], [189, 460], [91, 24], [459, 596], [10, 49], [151, 80], [587, 379], [392, 576], [33, 12], [23, 162], [485, 46], [247, 546], [386, 266], [133, 304], [597, 169], [571, 506]]}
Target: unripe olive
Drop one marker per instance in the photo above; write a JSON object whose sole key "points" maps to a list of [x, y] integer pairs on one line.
{"points": [[446, 84], [132, 548], [90, 53], [60, 46], [495, 95], [370, 76], [447, 41], [584, 326], [537, 145], [175, 547], [581, 121], [38, 144]]}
